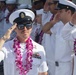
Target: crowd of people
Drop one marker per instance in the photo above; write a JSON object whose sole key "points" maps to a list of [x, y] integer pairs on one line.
{"points": [[38, 39]]}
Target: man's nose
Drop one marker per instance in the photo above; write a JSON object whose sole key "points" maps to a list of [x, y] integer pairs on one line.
{"points": [[25, 28]]}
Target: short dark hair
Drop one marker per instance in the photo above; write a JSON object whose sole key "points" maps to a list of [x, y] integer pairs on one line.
{"points": [[39, 1]]}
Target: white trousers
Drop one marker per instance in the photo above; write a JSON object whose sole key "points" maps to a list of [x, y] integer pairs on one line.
{"points": [[64, 68], [51, 67]]}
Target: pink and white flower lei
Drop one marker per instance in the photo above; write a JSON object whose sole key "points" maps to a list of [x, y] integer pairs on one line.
{"points": [[23, 69]]}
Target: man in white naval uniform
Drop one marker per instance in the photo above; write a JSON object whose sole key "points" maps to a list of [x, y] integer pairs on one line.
{"points": [[49, 40], [69, 33], [62, 50], [11, 53]]}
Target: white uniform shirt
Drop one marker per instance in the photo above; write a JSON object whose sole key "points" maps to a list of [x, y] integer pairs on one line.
{"points": [[36, 28], [45, 18], [62, 49], [69, 33], [7, 53], [48, 40]]}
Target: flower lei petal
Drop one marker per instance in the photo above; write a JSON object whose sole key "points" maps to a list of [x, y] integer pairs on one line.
{"points": [[23, 69], [75, 46]]}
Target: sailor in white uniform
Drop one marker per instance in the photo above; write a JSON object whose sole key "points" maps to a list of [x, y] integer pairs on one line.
{"points": [[48, 41], [25, 57], [69, 33], [62, 50]]}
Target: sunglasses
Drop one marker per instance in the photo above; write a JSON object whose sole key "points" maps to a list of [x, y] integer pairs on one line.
{"points": [[22, 26]]}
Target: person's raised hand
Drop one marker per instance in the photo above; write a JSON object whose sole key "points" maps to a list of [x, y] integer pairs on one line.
{"points": [[73, 20], [56, 17], [9, 31]]}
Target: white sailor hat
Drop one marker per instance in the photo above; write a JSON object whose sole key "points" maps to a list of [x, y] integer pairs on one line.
{"points": [[66, 4], [21, 15], [11, 2], [38, 12], [24, 6]]}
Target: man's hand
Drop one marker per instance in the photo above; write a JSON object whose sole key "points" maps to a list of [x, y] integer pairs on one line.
{"points": [[44, 73], [9, 31], [73, 20], [6, 36], [56, 17]]}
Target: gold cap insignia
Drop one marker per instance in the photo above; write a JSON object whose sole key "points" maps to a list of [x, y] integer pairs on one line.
{"points": [[22, 15], [67, 7]]}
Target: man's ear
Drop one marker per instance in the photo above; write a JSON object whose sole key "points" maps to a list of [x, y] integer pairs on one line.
{"points": [[69, 11]]}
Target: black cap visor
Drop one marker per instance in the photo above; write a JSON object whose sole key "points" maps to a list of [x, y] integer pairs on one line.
{"points": [[22, 22], [61, 6]]}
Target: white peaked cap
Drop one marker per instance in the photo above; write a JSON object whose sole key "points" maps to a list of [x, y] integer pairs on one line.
{"points": [[24, 6], [16, 14], [68, 3], [11, 1], [38, 12]]}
